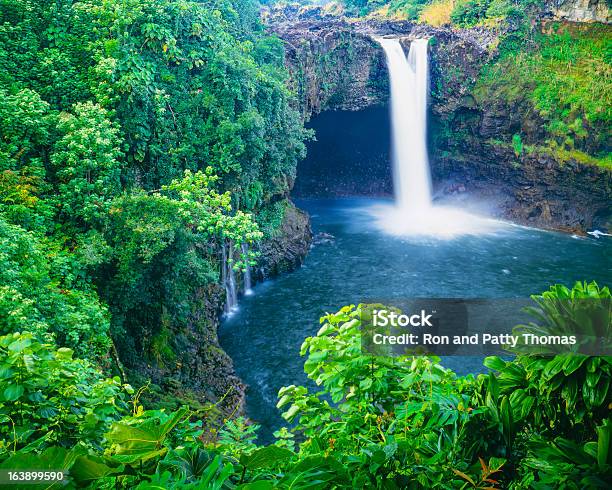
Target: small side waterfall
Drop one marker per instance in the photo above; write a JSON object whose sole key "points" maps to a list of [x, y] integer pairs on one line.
{"points": [[248, 284], [409, 88], [228, 275], [228, 278]]}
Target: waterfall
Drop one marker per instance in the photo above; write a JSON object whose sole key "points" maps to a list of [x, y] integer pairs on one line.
{"points": [[228, 278], [413, 213], [409, 87], [228, 275], [248, 284]]}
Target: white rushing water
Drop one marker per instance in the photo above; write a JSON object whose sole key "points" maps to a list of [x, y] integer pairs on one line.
{"points": [[408, 80], [228, 275], [228, 278], [248, 283], [413, 212]]}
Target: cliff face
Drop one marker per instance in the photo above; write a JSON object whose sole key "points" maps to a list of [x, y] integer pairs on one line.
{"points": [[579, 10], [336, 64], [192, 366], [286, 250], [472, 137], [534, 190], [332, 65]]}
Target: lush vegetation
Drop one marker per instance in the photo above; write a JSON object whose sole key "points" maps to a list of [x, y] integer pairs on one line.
{"points": [[463, 13], [137, 140], [564, 75], [141, 141], [539, 421]]}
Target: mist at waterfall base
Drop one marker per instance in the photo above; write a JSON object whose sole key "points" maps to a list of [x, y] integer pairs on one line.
{"points": [[413, 212]]}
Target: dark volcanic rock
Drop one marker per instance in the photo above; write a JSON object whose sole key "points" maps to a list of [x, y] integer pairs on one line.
{"points": [[285, 251], [335, 68], [535, 190], [194, 368]]}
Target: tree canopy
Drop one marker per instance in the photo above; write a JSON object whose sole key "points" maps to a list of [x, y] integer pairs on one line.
{"points": [[134, 134]]}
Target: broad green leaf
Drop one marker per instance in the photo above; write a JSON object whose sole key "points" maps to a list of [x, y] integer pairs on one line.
{"points": [[13, 392], [266, 457]]}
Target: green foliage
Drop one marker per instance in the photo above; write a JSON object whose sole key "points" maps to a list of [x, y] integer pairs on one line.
{"points": [[406, 420], [237, 438], [145, 224], [48, 398], [503, 8], [377, 422], [553, 410], [24, 125], [517, 145], [270, 217], [85, 164], [115, 118], [206, 91], [409, 8], [562, 463], [534, 402], [584, 310], [209, 211], [563, 74], [556, 407], [469, 12], [33, 298], [166, 244]]}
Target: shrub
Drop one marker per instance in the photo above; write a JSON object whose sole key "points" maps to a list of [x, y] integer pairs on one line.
{"points": [[467, 13], [438, 13], [375, 422], [562, 75], [48, 398], [517, 145], [32, 298]]}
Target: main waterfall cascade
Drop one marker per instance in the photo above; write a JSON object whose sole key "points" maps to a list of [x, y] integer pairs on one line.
{"points": [[409, 81], [413, 212]]}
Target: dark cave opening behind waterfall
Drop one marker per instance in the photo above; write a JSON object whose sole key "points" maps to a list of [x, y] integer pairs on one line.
{"points": [[350, 156]]}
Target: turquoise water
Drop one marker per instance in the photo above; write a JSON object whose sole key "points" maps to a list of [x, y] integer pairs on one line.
{"points": [[264, 336]]}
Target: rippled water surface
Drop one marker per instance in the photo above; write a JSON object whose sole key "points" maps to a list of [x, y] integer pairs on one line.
{"points": [[264, 336]]}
